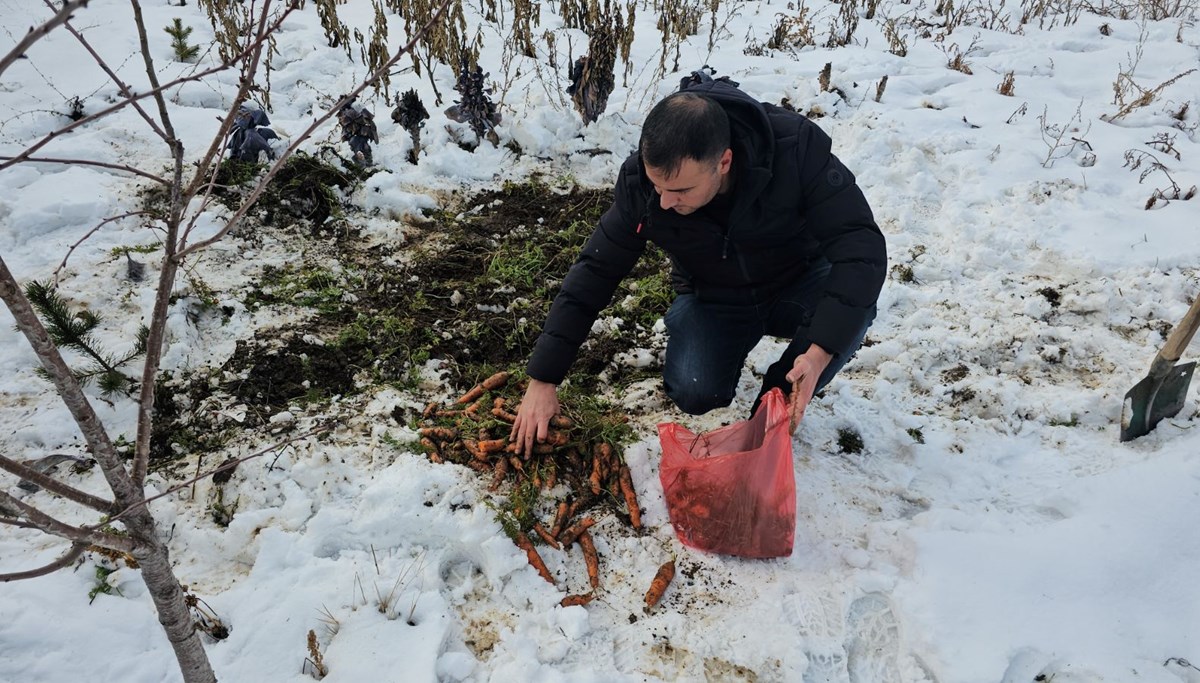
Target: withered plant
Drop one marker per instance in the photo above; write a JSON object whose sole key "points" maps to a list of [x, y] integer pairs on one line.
{"points": [[1149, 164], [1006, 84]]}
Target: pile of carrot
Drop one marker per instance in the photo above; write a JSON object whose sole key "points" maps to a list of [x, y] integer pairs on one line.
{"points": [[474, 432]]}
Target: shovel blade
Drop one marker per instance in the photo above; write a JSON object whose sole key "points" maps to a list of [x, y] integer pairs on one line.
{"points": [[1154, 398]]}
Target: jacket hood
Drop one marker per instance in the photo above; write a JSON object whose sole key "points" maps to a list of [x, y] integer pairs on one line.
{"points": [[751, 138]]}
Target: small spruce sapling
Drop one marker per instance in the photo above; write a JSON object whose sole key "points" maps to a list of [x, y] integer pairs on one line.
{"points": [[179, 41], [73, 330]]}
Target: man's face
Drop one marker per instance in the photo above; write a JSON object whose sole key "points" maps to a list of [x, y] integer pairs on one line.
{"points": [[693, 185]]}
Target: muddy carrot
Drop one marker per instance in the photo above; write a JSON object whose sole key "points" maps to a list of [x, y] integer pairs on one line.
{"points": [[556, 437], [561, 422], [594, 479], [631, 501], [659, 585], [573, 600], [495, 381], [570, 535], [472, 447], [504, 415], [431, 447], [480, 467], [447, 413], [475, 392], [472, 411], [591, 557], [543, 449], [560, 518], [535, 560], [428, 412], [499, 471], [546, 536], [493, 445], [439, 433], [516, 465], [551, 477]]}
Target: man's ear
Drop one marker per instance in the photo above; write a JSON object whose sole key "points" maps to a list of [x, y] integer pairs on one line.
{"points": [[725, 162]]}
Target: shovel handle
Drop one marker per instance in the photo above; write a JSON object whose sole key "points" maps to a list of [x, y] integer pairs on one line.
{"points": [[1182, 335]]}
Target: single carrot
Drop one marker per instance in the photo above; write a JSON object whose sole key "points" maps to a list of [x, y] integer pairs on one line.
{"points": [[591, 557], [570, 535], [573, 600], [545, 536], [560, 518], [493, 445], [504, 415], [472, 411], [480, 467], [499, 471], [561, 422], [557, 437], [543, 448], [495, 381], [631, 501], [447, 413], [434, 456], [516, 465], [535, 559], [659, 585], [595, 477], [475, 392], [551, 477], [428, 412], [498, 402], [439, 433]]}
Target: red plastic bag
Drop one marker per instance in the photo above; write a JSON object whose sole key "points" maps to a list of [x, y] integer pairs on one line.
{"points": [[732, 490]]}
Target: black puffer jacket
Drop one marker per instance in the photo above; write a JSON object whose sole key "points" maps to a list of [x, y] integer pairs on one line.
{"points": [[793, 201]]}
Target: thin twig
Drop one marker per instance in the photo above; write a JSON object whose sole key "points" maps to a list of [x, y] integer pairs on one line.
{"points": [[91, 232], [37, 33], [101, 164], [67, 558]]}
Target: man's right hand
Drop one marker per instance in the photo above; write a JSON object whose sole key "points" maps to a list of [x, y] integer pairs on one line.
{"points": [[533, 415]]}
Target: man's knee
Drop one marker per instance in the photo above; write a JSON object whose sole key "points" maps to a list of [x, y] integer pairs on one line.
{"points": [[695, 399]]}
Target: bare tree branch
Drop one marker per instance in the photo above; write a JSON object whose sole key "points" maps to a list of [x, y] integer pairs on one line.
{"points": [[47, 524], [37, 33], [101, 164], [55, 486], [275, 168], [66, 559], [121, 85]]}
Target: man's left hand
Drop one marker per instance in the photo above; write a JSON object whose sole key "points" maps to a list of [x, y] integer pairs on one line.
{"points": [[805, 372]]}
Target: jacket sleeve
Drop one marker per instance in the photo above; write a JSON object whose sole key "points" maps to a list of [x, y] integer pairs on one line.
{"points": [[607, 257], [839, 218]]}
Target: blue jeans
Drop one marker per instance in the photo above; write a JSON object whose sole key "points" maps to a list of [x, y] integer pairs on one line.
{"points": [[707, 343]]}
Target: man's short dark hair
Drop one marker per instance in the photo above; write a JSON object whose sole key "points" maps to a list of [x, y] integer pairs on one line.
{"points": [[682, 126]]}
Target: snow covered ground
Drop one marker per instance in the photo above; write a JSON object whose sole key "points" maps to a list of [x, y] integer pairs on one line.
{"points": [[992, 529]]}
